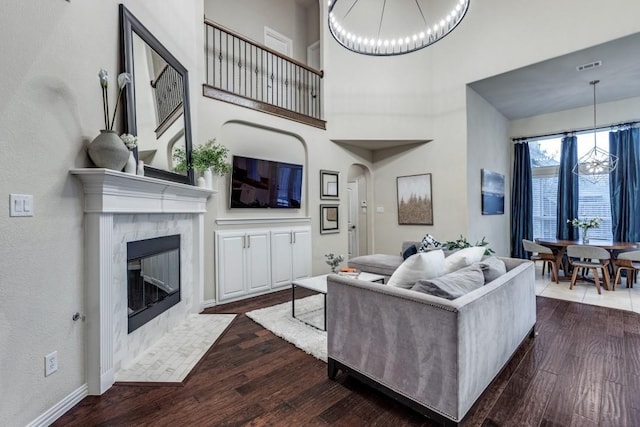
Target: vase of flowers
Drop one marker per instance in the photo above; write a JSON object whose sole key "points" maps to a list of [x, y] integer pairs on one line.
{"points": [[585, 225], [334, 261], [108, 150], [131, 142]]}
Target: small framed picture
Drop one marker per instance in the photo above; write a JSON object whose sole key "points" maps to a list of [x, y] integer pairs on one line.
{"points": [[492, 193], [415, 206], [329, 185], [329, 219]]}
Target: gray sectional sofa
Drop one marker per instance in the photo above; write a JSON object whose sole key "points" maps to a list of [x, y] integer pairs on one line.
{"points": [[433, 354]]}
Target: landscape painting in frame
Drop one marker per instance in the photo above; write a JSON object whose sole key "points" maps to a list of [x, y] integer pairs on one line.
{"points": [[492, 193], [414, 200]]}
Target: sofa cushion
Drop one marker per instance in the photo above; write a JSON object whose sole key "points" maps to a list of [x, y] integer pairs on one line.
{"points": [[452, 285], [377, 263], [492, 268], [411, 250], [423, 265], [463, 258]]}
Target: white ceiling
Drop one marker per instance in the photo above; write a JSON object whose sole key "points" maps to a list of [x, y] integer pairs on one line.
{"points": [[555, 85]]}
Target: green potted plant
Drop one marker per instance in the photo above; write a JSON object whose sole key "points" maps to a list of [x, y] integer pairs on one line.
{"points": [[206, 159]]}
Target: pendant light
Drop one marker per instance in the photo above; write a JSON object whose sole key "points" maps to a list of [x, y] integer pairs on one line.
{"points": [[597, 163], [386, 28]]}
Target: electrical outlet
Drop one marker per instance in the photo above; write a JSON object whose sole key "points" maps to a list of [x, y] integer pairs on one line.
{"points": [[50, 363]]}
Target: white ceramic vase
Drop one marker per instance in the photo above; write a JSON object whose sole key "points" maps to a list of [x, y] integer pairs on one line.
{"points": [[130, 167], [140, 168], [108, 151], [202, 182], [208, 179]]}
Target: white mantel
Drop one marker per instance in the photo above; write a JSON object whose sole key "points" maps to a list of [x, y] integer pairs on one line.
{"points": [[136, 201]]}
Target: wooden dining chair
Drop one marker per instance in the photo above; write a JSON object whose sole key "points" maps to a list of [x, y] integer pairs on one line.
{"points": [[629, 261], [590, 258], [544, 254]]}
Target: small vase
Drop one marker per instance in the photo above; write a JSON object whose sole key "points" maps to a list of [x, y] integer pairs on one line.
{"points": [[140, 168], [208, 178], [585, 236], [108, 151], [202, 183], [130, 167]]}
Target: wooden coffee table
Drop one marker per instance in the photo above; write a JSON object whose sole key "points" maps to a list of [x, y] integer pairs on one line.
{"points": [[319, 284]]}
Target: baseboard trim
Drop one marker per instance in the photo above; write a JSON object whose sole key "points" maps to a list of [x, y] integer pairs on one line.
{"points": [[59, 409], [208, 304]]}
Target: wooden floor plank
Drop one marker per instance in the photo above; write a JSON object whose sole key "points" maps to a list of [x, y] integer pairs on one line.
{"points": [[579, 370]]}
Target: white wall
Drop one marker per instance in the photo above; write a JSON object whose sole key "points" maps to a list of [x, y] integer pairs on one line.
{"points": [[50, 108], [608, 113], [487, 148]]}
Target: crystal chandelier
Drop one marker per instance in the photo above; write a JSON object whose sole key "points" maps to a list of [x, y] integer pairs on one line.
{"points": [[385, 28], [597, 163]]}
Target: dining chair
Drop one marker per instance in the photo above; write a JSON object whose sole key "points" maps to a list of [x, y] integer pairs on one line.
{"points": [[629, 261], [591, 258], [544, 254]]}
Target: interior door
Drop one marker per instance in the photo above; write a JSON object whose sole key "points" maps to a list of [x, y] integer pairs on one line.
{"points": [[352, 218]]}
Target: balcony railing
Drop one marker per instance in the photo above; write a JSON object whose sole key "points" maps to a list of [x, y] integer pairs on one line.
{"points": [[244, 72]]}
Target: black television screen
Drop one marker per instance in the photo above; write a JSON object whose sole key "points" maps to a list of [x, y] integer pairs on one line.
{"points": [[257, 183]]}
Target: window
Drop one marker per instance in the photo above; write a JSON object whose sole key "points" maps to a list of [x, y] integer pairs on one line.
{"points": [[593, 198]]}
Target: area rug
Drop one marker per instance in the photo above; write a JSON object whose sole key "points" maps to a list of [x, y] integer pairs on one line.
{"points": [[173, 357], [278, 320]]}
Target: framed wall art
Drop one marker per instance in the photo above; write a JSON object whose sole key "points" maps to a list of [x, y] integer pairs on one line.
{"points": [[329, 185], [329, 219], [492, 193], [415, 206]]}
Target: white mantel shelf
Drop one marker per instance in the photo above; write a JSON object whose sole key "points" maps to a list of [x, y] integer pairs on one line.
{"points": [[110, 191]]}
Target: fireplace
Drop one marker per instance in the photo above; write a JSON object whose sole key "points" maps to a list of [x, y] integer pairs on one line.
{"points": [[153, 278]]}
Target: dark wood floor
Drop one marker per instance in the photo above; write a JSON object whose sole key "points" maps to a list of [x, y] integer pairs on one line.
{"points": [[582, 369]]}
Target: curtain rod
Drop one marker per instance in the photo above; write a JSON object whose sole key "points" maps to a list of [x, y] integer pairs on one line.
{"points": [[561, 133]]}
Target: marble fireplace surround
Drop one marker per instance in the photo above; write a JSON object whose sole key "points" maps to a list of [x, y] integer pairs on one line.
{"points": [[119, 208]]}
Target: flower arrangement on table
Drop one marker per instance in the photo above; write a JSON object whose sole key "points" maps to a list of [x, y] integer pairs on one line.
{"points": [[585, 225], [334, 261]]}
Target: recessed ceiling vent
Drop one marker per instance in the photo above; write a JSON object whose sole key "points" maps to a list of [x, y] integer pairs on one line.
{"points": [[589, 66]]}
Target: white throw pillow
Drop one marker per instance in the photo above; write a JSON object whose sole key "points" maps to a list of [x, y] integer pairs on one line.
{"points": [[463, 258], [421, 266]]}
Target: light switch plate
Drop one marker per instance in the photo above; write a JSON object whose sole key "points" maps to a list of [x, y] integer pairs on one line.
{"points": [[20, 205]]}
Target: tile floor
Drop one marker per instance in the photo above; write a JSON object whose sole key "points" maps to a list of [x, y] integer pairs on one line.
{"points": [[585, 292], [172, 357]]}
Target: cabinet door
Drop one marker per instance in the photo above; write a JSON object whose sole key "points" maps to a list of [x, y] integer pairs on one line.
{"points": [[258, 262], [230, 265], [301, 253], [280, 257]]}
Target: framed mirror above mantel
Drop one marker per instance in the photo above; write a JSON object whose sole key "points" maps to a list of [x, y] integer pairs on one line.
{"points": [[157, 106]]}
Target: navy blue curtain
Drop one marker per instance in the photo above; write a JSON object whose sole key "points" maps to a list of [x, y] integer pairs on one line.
{"points": [[521, 200], [624, 185], [567, 189]]}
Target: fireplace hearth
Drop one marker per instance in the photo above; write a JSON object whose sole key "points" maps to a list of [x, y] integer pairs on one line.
{"points": [[153, 278]]}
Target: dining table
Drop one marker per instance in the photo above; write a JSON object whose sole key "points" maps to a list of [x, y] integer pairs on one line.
{"points": [[559, 248]]}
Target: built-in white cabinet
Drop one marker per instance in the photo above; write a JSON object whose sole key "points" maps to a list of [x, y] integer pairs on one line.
{"points": [[291, 255], [243, 263], [256, 261]]}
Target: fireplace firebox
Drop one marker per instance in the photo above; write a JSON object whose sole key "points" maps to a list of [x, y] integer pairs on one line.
{"points": [[153, 278]]}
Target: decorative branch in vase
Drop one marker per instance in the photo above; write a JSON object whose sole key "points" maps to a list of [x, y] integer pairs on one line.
{"points": [[108, 150], [585, 225], [334, 261]]}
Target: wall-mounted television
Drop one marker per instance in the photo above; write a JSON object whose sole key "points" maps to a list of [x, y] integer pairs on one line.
{"points": [[258, 183]]}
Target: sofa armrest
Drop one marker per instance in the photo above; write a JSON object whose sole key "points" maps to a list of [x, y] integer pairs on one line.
{"points": [[404, 340]]}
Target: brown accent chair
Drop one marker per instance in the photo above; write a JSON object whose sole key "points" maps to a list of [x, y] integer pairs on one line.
{"points": [[629, 261], [592, 258], [544, 254]]}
